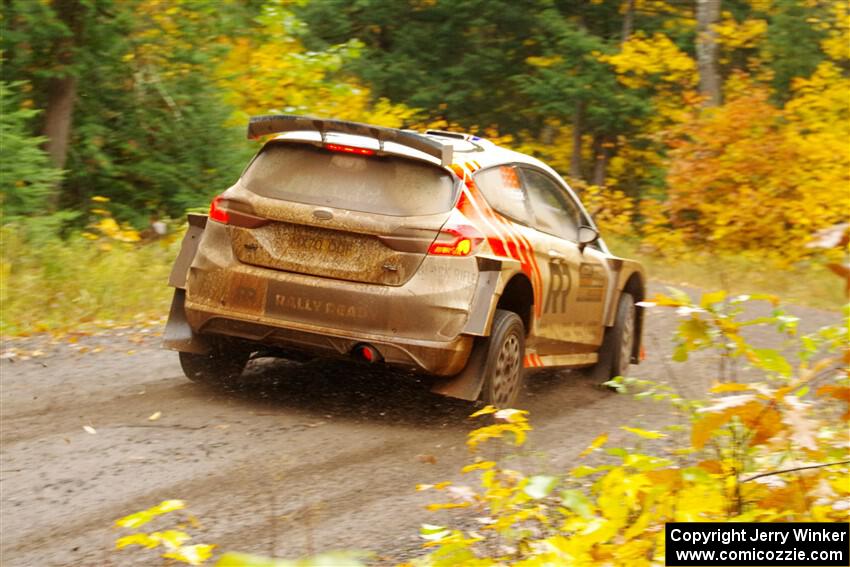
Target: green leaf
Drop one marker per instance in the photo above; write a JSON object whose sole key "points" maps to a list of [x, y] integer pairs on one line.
{"points": [[433, 533], [576, 501], [694, 330], [583, 471], [770, 360], [539, 486]]}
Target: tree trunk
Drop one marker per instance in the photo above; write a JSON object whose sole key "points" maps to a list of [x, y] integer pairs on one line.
{"points": [[62, 87], [708, 14], [601, 156], [628, 20], [547, 135], [578, 125], [57, 118]]}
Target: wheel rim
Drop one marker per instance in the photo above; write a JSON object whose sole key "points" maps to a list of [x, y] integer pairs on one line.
{"points": [[506, 373], [626, 342]]}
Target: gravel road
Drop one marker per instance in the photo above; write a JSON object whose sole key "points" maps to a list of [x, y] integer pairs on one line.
{"points": [[300, 458]]}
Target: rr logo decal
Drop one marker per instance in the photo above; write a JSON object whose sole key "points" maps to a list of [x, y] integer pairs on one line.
{"points": [[559, 288]]}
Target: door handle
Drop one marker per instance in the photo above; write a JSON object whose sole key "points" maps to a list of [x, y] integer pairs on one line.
{"points": [[556, 256]]}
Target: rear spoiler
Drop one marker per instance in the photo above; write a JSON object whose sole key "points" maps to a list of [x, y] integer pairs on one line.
{"points": [[276, 123]]}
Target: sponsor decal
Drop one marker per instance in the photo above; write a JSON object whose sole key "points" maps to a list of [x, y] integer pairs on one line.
{"points": [[560, 283], [591, 282], [282, 303]]}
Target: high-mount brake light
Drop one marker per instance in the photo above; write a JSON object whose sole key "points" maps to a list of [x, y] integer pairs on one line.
{"points": [[466, 240], [216, 212], [349, 149]]}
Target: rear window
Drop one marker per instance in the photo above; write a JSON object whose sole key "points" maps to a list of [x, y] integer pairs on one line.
{"points": [[385, 185]]}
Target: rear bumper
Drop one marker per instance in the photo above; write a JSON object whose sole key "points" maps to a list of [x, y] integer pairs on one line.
{"points": [[417, 324], [437, 358]]}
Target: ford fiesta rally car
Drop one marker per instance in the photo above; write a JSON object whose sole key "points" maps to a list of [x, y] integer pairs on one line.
{"points": [[440, 252]]}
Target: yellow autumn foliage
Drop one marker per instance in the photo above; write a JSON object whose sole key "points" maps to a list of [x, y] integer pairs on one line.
{"points": [[749, 441], [271, 72], [749, 176]]}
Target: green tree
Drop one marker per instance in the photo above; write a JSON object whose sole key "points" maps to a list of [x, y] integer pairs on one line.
{"points": [[27, 178], [793, 43], [141, 119]]}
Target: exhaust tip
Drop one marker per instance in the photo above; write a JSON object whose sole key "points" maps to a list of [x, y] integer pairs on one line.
{"points": [[367, 353]]}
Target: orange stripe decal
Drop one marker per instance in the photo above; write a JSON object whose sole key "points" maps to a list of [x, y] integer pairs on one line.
{"points": [[504, 239]]}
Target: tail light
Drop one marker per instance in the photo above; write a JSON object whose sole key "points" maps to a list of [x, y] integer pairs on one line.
{"points": [[235, 213], [349, 149], [457, 238], [217, 213]]}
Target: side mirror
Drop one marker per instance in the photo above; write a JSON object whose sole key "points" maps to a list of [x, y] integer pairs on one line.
{"points": [[586, 235]]}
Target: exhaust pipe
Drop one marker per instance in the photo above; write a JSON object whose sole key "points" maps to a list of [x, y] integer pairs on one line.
{"points": [[367, 353]]}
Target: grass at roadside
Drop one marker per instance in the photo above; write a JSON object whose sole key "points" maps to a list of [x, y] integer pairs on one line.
{"points": [[60, 285], [812, 285]]}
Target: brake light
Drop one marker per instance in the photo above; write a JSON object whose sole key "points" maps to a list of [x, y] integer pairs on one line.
{"points": [[349, 149], [464, 238], [216, 212]]}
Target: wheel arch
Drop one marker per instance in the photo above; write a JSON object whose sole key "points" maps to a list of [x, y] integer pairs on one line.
{"points": [[518, 297], [635, 285]]}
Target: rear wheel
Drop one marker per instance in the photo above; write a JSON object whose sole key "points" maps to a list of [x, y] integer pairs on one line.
{"points": [[615, 354], [219, 366], [503, 368]]}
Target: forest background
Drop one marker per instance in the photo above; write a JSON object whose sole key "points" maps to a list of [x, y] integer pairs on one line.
{"points": [[709, 138]]}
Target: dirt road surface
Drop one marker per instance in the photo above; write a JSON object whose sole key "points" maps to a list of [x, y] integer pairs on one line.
{"points": [[300, 458]]}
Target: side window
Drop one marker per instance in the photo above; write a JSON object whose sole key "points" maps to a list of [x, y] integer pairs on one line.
{"points": [[554, 211], [504, 192]]}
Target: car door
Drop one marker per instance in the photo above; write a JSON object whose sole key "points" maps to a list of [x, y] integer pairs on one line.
{"points": [[574, 294]]}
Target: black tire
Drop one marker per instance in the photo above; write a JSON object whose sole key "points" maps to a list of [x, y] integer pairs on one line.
{"points": [[615, 354], [503, 364], [218, 367]]}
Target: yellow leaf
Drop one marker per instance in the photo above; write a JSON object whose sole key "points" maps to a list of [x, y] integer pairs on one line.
{"points": [[643, 432], [598, 442], [136, 539], [484, 411], [171, 538], [446, 506], [718, 388], [479, 466], [703, 429], [711, 466], [191, 554], [709, 299]]}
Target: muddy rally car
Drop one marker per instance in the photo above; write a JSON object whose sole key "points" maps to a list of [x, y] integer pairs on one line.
{"points": [[438, 251]]}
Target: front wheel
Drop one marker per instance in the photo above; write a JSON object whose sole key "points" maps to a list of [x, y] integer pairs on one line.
{"points": [[615, 354], [503, 366], [217, 367]]}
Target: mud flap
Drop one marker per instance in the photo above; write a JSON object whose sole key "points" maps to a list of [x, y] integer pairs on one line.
{"points": [[177, 277], [466, 385], [178, 334]]}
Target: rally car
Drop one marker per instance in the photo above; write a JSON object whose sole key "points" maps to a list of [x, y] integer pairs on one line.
{"points": [[437, 251]]}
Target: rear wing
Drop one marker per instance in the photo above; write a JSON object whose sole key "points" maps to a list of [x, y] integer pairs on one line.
{"points": [[274, 124]]}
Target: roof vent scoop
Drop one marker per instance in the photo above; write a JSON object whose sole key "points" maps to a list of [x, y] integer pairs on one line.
{"points": [[446, 134]]}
